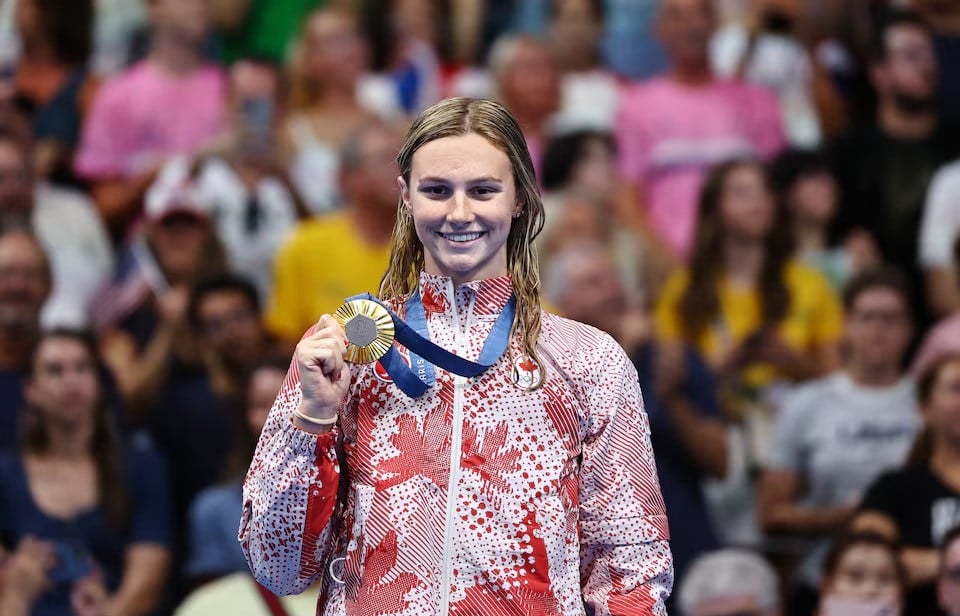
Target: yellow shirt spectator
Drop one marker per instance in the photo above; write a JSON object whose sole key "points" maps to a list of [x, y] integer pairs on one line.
{"points": [[324, 262], [814, 318]]}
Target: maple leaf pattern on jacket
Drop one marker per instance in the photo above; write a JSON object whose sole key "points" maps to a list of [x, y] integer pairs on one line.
{"points": [[481, 495]]}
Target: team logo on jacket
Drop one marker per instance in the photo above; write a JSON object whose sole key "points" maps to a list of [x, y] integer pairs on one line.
{"points": [[381, 373], [526, 373]]}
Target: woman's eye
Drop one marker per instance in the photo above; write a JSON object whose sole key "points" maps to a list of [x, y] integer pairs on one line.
{"points": [[434, 191], [484, 191]]}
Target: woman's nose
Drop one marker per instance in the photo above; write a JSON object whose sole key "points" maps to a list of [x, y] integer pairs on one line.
{"points": [[460, 210]]}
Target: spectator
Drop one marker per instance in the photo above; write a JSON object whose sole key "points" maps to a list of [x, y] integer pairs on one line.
{"points": [[527, 80], [170, 103], [754, 313], [66, 223], [805, 184], [728, 582], [261, 28], [939, 230], [918, 505], [52, 78], [944, 337], [948, 579], [581, 202], [103, 502], [328, 259], [192, 415], [862, 575], [835, 436], [143, 313], [688, 434], [885, 164], [590, 93], [673, 128], [770, 48], [214, 549], [332, 97], [24, 287], [245, 188], [405, 38]]}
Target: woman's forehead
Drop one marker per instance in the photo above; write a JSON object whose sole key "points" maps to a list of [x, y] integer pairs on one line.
{"points": [[461, 156]]}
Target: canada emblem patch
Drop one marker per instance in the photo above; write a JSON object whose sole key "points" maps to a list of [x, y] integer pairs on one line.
{"points": [[526, 373]]}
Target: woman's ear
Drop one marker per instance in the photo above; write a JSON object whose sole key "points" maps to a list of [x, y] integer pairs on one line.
{"points": [[404, 192]]}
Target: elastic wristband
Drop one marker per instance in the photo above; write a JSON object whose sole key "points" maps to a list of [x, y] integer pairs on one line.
{"points": [[314, 421]]}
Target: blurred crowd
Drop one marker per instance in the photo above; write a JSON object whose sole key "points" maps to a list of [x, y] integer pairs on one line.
{"points": [[759, 199]]}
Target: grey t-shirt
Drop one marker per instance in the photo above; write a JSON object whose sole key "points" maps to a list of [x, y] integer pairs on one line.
{"points": [[838, 437]]}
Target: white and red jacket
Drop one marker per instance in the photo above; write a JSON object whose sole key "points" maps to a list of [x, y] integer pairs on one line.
{"points": [[481, 497]]}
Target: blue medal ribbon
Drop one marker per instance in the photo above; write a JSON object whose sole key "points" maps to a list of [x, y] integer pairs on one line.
{"points": [[415, 379]]}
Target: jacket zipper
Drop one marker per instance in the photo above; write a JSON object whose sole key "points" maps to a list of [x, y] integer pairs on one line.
{"points": [[456, 444]]}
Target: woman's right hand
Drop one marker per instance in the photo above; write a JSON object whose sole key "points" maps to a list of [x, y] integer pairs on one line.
{"points": [[324, 375]]}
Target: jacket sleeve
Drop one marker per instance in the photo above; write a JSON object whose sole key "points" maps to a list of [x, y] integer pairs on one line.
{"points": [[625, 561], [289, 498]]}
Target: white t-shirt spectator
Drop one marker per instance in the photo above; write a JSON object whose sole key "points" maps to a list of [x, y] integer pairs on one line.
{"points": [[941, 218], [81, 258], [839, 437], [251, 224]]}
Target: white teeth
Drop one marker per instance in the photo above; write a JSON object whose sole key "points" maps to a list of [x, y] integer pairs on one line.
{"points": [[461, 237]]}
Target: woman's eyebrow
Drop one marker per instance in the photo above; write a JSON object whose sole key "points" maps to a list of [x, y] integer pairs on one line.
{"points": [[479, 180]]}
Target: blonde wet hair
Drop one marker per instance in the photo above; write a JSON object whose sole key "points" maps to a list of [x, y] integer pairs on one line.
{"points": [[491, 120]]}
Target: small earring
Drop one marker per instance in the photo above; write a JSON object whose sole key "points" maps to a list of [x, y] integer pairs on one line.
{"points": [[517, 215]]}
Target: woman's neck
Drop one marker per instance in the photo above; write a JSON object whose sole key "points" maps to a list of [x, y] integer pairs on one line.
{"points": [[336, 98], [876, 375], [811, 237], [743, 259], [69, 442]]}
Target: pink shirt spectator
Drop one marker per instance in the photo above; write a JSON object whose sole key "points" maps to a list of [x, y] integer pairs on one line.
{"points": [[145, 115], [943, 339], [670, 134]]}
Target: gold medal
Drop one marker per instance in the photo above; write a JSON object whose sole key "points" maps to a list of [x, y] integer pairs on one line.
{"points": [[369, 329]]}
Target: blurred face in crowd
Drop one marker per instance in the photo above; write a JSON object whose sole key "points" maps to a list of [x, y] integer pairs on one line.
{"points": [[371, 179], [747, 208], [231, 326], [530, 84], [179, 240], [24, 282], [594, 176], [865, 575], [16, 185], [463, 199], [333, 49], [685, 27], [908, 73], [263, 389], [942, 411], [593, 292], [878, 328], [575, 30], [813, 198], [948, 583], [187, 21], [64, 384]]}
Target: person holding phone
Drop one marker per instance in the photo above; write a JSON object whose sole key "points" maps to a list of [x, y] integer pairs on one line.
{"points": [[99, 505], [531, 486]]}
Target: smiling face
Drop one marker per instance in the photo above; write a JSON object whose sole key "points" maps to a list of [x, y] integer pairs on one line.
{"points": [[462, 197]]}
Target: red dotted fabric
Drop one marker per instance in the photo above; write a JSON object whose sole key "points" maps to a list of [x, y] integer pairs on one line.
{"points": [[555, 503]]}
